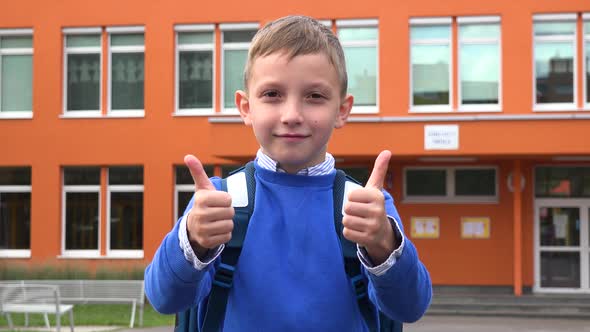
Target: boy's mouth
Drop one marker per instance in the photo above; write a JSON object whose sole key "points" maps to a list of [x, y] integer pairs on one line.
{"points": [[292, 136]]}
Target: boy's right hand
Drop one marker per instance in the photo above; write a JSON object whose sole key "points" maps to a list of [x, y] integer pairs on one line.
{"points": [[210, 221]]}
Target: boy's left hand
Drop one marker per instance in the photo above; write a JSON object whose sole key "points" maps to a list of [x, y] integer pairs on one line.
{"points": [[365, 221]]}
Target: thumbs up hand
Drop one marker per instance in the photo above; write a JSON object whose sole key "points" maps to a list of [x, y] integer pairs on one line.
{"points": [[210, 221], [365, 221]]}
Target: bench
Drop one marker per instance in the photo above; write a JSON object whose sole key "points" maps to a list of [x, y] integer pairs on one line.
{"points": [[98, 292], [33, 298]]}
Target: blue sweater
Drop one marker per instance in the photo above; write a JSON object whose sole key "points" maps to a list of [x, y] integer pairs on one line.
{"points": [[290, 275]]}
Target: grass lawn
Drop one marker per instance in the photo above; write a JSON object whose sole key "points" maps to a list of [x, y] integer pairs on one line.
{"points": [[97, 314]]}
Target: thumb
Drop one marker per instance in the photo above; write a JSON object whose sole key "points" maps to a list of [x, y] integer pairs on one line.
{"points": [[198, 173], [379, 170]]}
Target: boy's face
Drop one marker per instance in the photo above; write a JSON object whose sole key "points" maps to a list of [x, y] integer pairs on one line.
{"points": [[293, 105]]}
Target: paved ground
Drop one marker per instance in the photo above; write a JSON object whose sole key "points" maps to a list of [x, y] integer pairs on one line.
{"points": [[426, 324], [496, 324]]}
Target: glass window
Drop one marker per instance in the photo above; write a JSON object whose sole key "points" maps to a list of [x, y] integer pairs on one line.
{"points": [[560, 269], [430, 64], [195, 70], [126, 208], [125, 175], [555, 59], [81, 209], [560, 226], [360, 51], [15, 176], [226, 170], [127, 72], [82, 176], [361, 174], [16, 74], [562, 182], [15, 210], [479, 63], [185, 187], [426, 182], [82, 220], [126, 224], [83, 53], [235, 54], [452, 184], [475, 182]]}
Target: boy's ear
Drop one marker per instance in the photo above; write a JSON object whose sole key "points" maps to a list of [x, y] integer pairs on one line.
{"points": [[243, 105], [344, 110]]}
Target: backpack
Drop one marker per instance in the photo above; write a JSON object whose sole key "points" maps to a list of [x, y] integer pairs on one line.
{"points": [[187, 321]]}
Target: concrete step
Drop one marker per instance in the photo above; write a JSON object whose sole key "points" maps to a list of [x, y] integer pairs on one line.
{"points": [[481, 301]]}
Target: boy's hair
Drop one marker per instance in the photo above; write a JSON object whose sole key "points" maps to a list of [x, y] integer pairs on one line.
{"points": [[297, 35]]}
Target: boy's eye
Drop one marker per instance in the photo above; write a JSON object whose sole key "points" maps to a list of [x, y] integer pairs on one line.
{"points": [[316, 97], [271, 94]]}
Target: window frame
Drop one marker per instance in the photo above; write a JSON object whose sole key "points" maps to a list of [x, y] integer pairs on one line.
{"points": [[451, 197], [555, 18], [364, 23], [431, 21], [76, 253], [121, 188], [16, 51], [479, 20], [15, 253], [120, 50], [585, 52], [194, 47], [81, 50], [225, 27]]}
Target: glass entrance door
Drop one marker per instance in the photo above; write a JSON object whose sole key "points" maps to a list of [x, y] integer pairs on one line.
{"points": [[562, 245]]}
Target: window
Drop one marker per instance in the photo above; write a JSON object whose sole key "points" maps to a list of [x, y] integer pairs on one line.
{"points": [[555, 61], [125, 211], [15, 212], [126, 81], [236, 41], [450, 184], [360, 39], [16, 73], [83, 72], [479, 63], [82, 187], [476, 53], [359, 173], [195, 63], [185, 188], [430, 57], [81, 212], [562, 182]]}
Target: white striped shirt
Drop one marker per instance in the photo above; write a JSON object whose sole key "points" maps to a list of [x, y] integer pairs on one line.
{"points": [[270, 164]]}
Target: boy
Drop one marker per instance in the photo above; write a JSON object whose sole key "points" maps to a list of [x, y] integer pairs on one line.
{"points": [[290, 274]]}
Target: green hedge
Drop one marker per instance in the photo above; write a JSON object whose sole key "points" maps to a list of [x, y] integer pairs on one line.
{"points": [[8, 272]]}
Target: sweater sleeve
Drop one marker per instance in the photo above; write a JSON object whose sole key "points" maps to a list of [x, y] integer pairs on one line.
{"points": [[172, 284], [404, 291]]}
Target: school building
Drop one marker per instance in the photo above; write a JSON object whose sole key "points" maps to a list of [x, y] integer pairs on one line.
{"points": [[484, 104]]}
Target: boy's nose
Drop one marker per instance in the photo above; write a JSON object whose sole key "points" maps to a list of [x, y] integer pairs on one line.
{"points": [[291, 113]]}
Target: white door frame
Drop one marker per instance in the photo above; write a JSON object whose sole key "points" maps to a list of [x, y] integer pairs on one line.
{"points": [[584, 249]]}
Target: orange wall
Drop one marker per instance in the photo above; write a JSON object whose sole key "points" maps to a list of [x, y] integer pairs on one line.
{"points": [[158, 141]]}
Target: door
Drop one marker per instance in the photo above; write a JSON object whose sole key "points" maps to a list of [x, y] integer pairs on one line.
{"points": [[562, 249]]}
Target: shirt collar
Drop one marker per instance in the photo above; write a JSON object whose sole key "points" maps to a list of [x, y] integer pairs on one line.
{"points": [[322, 168]]}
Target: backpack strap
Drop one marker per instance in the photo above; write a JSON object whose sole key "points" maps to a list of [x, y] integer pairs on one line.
{"points": [[343, 185], [239, 182]]}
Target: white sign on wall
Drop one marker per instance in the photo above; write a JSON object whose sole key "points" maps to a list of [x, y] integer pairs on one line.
{"points": [[441, 137]]}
